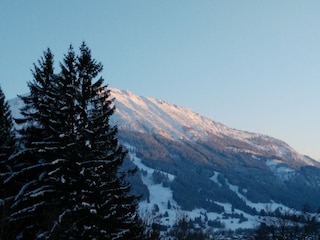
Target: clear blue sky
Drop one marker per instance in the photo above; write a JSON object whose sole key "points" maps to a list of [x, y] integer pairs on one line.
{"points": [[252, 65]]}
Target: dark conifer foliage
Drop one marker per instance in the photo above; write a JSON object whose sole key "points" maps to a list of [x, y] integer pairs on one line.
{"points": [[67, 170], [7, 146], [7, 137], [35, 192]]}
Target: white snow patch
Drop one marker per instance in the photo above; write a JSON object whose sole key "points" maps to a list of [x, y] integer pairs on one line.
{"points": [[279, 169], [62, 179], [269, 206], [159, 195], [215, 179], [93, 211], [255, 157]]}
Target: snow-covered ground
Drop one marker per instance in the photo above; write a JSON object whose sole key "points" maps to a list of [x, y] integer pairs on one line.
{"points": [[215, 179], [279, 169], [160, 196]]}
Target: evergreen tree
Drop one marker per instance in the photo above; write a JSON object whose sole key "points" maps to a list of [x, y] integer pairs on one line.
{"points": [[102, 206], [35, 193], [67, 172], [7, 146]]}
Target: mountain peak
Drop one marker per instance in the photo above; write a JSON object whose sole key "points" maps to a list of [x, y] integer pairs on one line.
{"points": [[158, 116], [153, 116]]}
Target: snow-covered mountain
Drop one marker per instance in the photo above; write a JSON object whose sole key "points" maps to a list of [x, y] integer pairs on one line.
{"points": [[206, 169], [151, 116], [213, 169]]}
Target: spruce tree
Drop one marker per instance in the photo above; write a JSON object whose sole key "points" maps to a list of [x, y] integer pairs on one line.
{"points": [[102, 157], [99, 198], [34, 202], [7, 146], [67, 170]]}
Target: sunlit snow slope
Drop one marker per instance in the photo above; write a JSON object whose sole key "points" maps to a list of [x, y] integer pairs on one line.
{"points": [[149, 115]]}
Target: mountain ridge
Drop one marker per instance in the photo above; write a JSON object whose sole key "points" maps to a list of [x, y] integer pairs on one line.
{"points": [[150, 115]]}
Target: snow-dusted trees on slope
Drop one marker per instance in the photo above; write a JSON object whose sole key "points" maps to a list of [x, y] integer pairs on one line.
{"points": [[7, 146], [66, 173]]}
